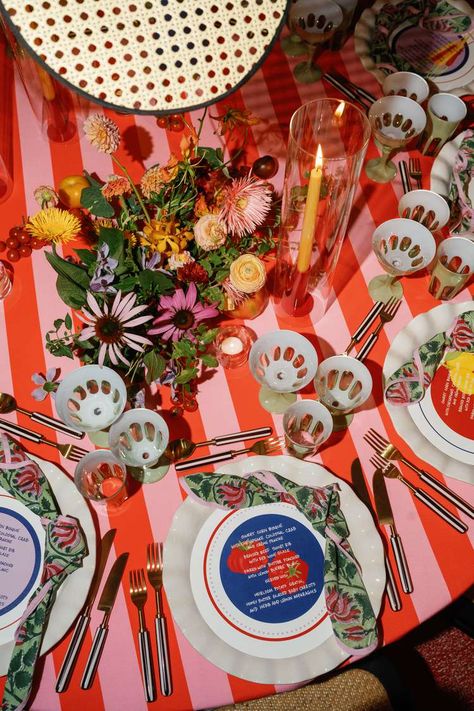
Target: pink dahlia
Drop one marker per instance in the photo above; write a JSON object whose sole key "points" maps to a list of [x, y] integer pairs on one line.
{"points": [[246, 204], [180, 314], [114, 328]]}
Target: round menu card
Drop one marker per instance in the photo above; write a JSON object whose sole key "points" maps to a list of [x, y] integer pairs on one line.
{"points": [[21, 561], [257, 579]]}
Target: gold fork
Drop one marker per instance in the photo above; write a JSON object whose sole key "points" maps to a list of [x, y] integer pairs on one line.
{"points": [[390, 470], [69, 451], [414, 167], [154, 567], [138, 593], [388, 451], [263, 447], [387, 314]]}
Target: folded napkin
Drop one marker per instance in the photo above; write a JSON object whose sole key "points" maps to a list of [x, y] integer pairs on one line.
{"points": [[65, 548], [409, 383], [353, 619], [462, 211]]}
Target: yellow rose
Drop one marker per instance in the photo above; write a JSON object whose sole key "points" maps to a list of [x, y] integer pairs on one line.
{"points": [[247, 274]]}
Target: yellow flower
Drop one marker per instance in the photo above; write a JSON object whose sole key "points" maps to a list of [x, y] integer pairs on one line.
{"points": [[247, 273], [233, 118], [54, 225], [165, 236], [102, 133]]}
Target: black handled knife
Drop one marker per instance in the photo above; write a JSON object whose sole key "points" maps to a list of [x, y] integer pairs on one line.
{"points": [[84, 618], [106, 603], [360, 487]]}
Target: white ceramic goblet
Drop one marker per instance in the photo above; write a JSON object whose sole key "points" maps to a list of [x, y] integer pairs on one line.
{"points": [[283, 362], [406, 84], [426, 207], [139, 439], [395, 120], [342, 383], [315, 21], [402, 247]]}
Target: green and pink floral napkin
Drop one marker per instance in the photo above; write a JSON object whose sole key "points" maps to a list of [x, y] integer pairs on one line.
{"points": [[462, 210], [353, 620], [409, 383], [65, 548]]}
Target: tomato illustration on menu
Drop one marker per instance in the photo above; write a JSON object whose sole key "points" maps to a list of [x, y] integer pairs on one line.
{"points": [[288, 572], [247, 557]]}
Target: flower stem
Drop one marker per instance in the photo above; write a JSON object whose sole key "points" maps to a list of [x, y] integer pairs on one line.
{"points": [[127, 175]]}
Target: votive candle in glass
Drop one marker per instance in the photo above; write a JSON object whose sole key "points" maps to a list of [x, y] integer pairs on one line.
{"points": [[232, 345]]}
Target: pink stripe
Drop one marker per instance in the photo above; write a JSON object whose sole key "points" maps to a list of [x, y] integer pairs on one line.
{"points": [[45, 699]]}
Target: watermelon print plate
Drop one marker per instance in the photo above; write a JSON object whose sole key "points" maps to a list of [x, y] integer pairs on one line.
{"points": [[434, 40], [182, 569], [433, 435]]}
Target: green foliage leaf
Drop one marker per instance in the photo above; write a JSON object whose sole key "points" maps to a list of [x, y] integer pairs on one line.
{"points": [[58, 323], [209, 360], [184, 349], [70, 271], [186, 376], [86, 256], [68, 322], [72, 294], [127, 284], [155, 282], [213, 156], [155, 364], [114, 238], [95, 202]]}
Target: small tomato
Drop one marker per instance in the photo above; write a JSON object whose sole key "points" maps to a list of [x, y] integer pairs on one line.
{"points": [[70, 189]]}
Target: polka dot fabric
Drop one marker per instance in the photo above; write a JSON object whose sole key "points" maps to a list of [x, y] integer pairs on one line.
{"points": [[148, 57]]}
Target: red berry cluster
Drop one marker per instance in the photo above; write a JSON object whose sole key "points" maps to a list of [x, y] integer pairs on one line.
{"points": [[19, 243], [173, 122]]}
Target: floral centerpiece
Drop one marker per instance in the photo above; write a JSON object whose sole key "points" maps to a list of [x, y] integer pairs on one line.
{"points": [[162, 258]]}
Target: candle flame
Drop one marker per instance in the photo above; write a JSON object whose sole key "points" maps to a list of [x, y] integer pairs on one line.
{"points": [[340, 109], [318, 163]]}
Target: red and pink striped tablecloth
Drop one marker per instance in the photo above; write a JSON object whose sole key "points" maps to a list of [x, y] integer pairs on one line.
{"points": [[441, 560]]}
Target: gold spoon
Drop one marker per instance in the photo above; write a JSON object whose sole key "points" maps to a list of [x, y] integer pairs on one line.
{"points": [[8, 404], [183, 448]]}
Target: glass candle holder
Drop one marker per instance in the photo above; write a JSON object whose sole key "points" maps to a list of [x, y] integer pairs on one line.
{"points": [[307, 424], [453, 268], [317, 200], [232, 345], [101, 477]]}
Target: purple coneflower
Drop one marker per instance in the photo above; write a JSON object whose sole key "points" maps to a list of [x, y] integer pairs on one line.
{"points": [[246, 204], [114, 328], [180, 314]]}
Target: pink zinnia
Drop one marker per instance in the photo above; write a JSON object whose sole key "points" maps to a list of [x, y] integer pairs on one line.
{"points": [[180, 314], [246, 204]]}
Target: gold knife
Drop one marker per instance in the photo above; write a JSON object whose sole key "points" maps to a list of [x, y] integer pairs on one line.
{"points": [[385, 516], [360, 487], [84, 618], [106, 603]]}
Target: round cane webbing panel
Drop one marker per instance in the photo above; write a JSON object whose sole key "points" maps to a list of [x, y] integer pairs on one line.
{"points": [[149, 56]]}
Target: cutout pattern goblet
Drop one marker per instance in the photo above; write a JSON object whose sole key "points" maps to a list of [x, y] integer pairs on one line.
{"points": [[402, 247], [342, 383], [395, 121], [315, 21]]}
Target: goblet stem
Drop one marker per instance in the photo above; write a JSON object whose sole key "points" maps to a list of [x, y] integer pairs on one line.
{"points": [[308, 72], [382, 170]]}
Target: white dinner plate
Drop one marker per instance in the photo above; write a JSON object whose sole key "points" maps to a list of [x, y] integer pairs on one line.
{"points": [[428, 441], [72, 594], [442, 170], [410, 37], [188, 522]]}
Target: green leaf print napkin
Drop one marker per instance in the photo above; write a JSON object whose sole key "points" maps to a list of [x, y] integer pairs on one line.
{"points": [[65, 548], [409, 383], [462, 211], [348, 604]]}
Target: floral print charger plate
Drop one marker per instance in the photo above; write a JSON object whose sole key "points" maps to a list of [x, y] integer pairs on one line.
{"points": [[430, 37]]}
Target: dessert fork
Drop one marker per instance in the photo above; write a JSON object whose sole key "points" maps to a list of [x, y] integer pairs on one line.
{"points": [[391, 471], [387, 314], [138, 594], [69, 451], [263, 446], [414, 166], [154, 567], [389, 452]]}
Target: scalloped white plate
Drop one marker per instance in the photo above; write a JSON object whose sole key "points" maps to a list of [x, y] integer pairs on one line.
{"points": [[458, 82], [418, 331], [72, 594], [188, 520]]}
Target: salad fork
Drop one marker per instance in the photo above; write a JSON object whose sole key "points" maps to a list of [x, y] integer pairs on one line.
{"points": [[69, 451], [154, 567], [414, 166], [391, 471], [138, 594], [389, 452], [263, 447], [387, 314]]}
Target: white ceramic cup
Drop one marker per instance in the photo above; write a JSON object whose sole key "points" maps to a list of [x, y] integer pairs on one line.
{"points": [[307, 424]]}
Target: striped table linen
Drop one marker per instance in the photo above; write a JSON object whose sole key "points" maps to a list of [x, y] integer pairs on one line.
{"points": [[441, 560]]}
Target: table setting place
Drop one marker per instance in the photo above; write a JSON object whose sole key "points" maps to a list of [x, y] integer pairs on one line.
{"points": [[243, 294]]}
